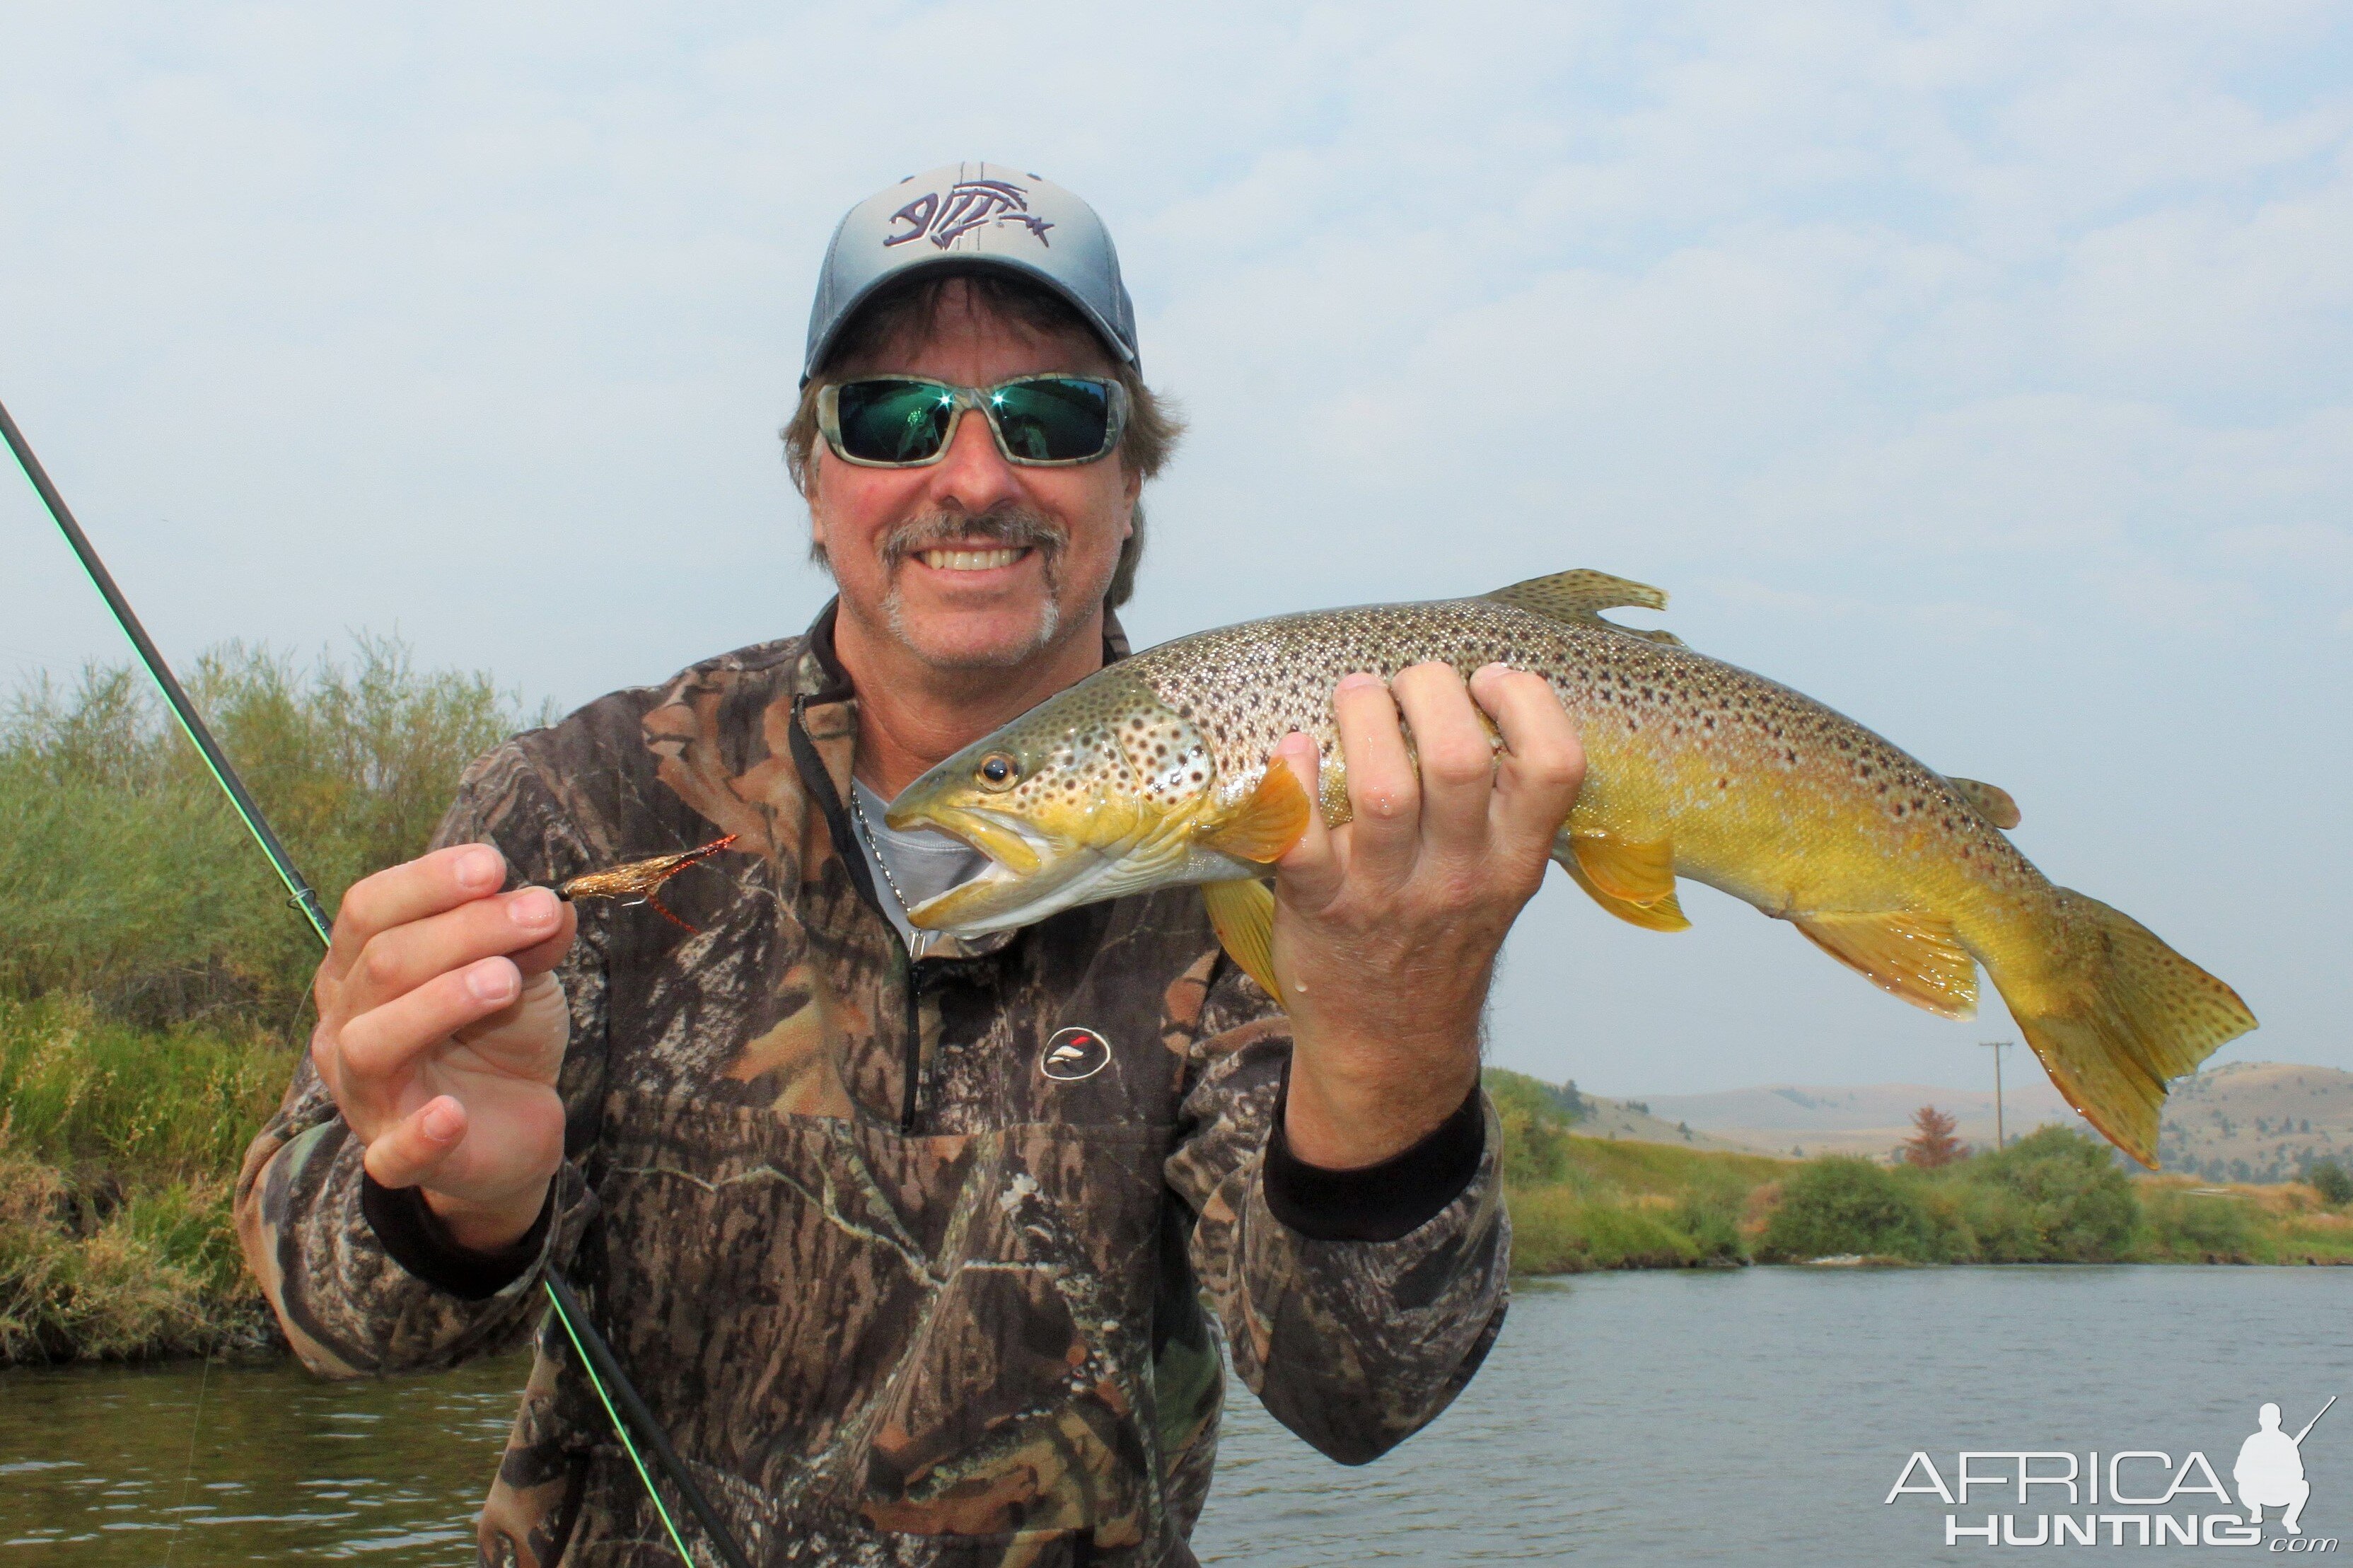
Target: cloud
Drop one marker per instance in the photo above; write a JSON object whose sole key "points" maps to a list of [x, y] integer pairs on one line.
{"points": [[1980, 368]]}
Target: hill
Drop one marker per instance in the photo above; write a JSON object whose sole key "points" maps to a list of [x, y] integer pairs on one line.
{"points": [[2258, 1121], [1868, 1120], [2249, 1121]]}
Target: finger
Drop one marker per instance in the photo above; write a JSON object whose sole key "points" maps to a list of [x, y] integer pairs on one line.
{"points": [[416, 1147], [539, 960], [412, 891], [1456, 760], [1384, 794], [406, 956], [1309, 872], [378, 1047], [1543, 760]]}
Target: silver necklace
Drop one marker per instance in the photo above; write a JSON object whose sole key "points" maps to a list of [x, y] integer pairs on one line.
{"points": [[874, 845]]}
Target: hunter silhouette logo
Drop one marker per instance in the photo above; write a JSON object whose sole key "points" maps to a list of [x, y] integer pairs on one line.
{"points": [[1074, 1054], [946, 216]]}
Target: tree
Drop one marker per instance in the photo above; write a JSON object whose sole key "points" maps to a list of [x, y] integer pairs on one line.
{"points": [[1932, 1143], [2331, 1180]]}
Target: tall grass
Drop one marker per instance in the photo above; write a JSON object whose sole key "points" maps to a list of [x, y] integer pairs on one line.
{"points": [[125, 876], [118, 1146]]}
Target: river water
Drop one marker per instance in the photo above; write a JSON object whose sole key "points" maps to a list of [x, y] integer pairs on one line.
{"points": [[1761, 1416]]}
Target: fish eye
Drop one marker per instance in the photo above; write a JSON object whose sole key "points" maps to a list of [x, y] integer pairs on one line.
{"points": [[998, 771]]}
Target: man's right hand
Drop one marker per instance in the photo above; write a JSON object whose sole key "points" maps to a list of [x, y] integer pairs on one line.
{"points": [[441, 1029]]}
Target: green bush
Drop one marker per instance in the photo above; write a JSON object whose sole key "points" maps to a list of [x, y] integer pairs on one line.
{"points": [[125, 876], [1842, 1205], [2331, 1181], [2054, 1196]]}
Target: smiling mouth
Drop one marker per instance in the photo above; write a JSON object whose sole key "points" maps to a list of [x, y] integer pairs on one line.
{"points": [[971, 559]]}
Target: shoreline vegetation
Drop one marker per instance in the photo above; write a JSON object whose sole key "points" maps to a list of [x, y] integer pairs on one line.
{"points": [[153, 993]]}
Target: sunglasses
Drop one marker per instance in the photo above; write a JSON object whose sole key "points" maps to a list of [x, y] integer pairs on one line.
{"points": [[908, 421]]}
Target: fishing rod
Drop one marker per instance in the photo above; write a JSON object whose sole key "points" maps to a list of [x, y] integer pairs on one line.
{"points": [[2308, 1425], [596, 1357]]}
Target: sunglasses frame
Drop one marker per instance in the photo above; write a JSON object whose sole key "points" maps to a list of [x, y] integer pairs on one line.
{"points": [[973, 399]]}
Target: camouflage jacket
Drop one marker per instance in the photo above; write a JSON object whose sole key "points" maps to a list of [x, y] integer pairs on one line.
{"points": [[897, 1296]]}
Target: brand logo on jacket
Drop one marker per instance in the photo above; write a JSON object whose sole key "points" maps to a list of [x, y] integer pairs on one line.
{"points": [[1074, 1054], [2130, 1497], [946, 216]]}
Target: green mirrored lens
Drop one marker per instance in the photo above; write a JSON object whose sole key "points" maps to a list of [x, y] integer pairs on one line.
{"points": [[1058, 419], [893, 421]]}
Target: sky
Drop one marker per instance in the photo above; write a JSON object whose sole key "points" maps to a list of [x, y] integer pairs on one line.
{"points": [[1985, 371]]}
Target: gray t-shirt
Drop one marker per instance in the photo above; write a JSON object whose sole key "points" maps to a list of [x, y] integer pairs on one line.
{"points": [[925, 864]]}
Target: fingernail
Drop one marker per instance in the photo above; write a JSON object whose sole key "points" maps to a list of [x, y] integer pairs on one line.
{"points": [[533, 907], [442, 1122], [479, 868], [491, 982], [1360, 679]]}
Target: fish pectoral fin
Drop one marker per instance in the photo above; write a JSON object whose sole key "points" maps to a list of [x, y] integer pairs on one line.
{"points": [[1242, 913], [1637, 873], [1579, 598], [1917, 957], [1989, 801], [1661, 914], [1267, 823]]}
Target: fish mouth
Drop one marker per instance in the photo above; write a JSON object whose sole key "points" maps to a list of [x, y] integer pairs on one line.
{"points": [[1030, 874]]}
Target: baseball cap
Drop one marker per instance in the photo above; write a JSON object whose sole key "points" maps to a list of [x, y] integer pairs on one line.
{"points": [[968, 217]]}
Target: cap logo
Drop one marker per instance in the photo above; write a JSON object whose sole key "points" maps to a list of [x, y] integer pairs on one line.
{"points": [[1074, 1054], [947, 217]]}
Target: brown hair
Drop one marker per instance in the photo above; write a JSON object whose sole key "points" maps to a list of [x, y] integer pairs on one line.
{"points": [[913, 308]]}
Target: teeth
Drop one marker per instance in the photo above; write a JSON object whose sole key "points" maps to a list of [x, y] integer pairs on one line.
{"points": [[968, 560]]}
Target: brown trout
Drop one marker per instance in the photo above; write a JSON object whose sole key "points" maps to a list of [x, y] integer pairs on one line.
{"points": [[1154, 772]]}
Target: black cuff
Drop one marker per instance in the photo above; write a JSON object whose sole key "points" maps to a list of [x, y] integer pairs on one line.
{"points": [[418, 1240], [1373, 1202]]}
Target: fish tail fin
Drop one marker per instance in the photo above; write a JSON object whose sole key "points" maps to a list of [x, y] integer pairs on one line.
{"points": [[2114, 1013]]}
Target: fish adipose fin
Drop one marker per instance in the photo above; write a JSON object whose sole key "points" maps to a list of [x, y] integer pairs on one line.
{"points": [[1266, 823], [1917, 957], [1242, 914], [2126, 1013], [1649, 867], [1579, 598], [1989, 801]]}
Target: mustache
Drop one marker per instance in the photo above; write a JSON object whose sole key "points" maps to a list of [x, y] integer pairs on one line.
{"points": [[1015, 526]]}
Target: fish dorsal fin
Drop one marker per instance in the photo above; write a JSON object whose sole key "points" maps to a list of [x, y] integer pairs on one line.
{"points": [[1989, 801], [1915, 957], [1242, 914], [1579, 598], [1266, 823]]}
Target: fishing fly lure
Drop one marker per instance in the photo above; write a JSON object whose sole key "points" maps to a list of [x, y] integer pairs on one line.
{"points": [[639, 881]]}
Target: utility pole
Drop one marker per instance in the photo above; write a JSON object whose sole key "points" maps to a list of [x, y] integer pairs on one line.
{"points": [[1996, 1047]]}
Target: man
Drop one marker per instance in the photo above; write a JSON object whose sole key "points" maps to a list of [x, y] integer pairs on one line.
{"points": [[2270, 1471], [905, 1239]]}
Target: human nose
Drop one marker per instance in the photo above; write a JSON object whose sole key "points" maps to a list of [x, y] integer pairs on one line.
{"points": [[974, 477]]}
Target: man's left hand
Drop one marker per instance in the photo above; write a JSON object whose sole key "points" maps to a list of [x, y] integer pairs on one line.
{"points": [[1386, 927]]}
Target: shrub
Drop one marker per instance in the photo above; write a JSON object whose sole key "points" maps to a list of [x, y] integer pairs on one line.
{"points": [[2055, 1196], [2331, 1181], [126, 877], [1839, 1205]]}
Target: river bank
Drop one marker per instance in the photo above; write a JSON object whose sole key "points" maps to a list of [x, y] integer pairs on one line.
{"points": [[119, 1146]]}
